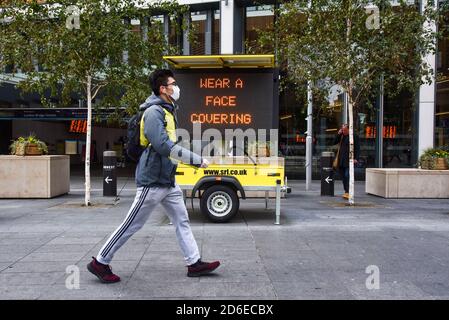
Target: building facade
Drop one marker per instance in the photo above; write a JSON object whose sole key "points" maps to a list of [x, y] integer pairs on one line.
{"points": [[410, 122]]}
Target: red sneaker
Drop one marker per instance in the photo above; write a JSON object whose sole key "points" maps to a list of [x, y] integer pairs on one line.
{"points": [[102, 271], [200, 268]]}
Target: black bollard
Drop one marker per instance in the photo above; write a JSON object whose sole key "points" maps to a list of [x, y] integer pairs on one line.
{"points": [[109, 174]]}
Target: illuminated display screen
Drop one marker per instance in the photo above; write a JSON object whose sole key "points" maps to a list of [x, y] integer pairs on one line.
{"points": [[388, 132], [228, 99], [78, 126]]}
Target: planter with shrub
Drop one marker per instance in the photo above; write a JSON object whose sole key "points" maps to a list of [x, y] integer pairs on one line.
{"points": [[434, 159], [28, 146]]}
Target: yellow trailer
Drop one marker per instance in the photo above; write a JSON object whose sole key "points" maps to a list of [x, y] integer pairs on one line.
{"points": [[230, 91], [226, 179]]}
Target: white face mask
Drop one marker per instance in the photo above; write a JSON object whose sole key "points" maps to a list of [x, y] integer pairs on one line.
{"points": [[176, 93]]}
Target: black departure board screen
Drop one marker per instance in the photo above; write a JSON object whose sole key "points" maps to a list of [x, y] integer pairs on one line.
{"points": [[228, 99]]}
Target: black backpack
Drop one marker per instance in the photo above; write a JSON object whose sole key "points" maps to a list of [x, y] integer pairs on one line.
{"points": [[134, 149]]}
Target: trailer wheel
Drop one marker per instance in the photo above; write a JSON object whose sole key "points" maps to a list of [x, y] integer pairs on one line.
{"points": [[219, 203]]}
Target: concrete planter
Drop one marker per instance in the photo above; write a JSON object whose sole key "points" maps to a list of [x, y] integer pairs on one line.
{"points": [[407, 183], [34, 176]]}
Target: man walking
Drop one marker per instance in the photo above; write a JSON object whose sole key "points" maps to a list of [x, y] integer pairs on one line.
{"points": [[343, 156], [155, 179]]}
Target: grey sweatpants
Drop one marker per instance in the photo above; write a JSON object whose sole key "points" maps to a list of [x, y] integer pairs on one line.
{"points": [[146, 200]]}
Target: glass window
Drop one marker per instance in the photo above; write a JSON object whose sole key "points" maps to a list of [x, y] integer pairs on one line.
{"points": [[399, 131], [199, 27], [442, 91], [198, 46], [258, 18], [293, 126], [174, 38]]}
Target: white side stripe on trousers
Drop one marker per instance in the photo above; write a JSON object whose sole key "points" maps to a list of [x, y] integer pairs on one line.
{"points": [[126, 223]]}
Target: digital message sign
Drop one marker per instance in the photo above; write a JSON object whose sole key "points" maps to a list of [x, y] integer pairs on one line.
{"points": [[78, 126], [228, 99]]}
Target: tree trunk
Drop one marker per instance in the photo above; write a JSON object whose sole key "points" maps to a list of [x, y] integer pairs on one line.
{"points": [[88, 140], [350, 111], [309, 138], [351, 147]]}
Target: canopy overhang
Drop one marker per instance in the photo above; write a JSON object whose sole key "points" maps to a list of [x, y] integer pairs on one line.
{"points": [[221, 61]]}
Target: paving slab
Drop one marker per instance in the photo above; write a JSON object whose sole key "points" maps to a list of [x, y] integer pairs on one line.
{"points": [[320, 251]]}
